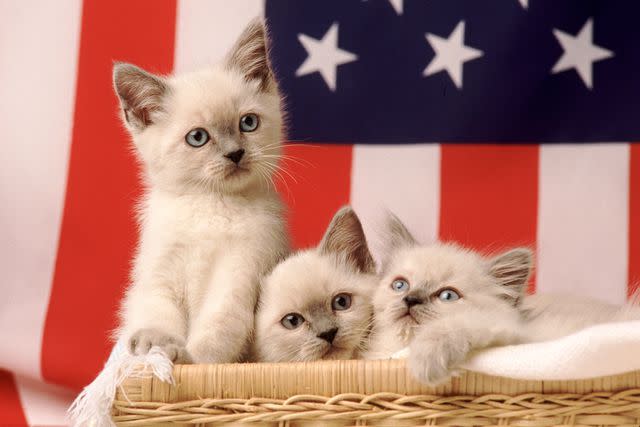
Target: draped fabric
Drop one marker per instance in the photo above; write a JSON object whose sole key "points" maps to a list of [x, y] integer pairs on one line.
{"points": [[493, 124]]}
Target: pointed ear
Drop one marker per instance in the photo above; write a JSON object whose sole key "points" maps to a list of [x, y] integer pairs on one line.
{"points": [[250, 55], [344, 237], [512, 270], [397, 234], [141, 95]]}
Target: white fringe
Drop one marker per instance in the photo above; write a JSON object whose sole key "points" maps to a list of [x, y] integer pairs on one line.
{"points": [[92, 407]]}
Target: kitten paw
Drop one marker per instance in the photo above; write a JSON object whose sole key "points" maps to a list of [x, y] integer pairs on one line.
{"points": [[141, 342], [434, 360]]}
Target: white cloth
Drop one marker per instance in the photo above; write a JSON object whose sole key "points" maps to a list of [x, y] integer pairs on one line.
{"points": [[92, 407], [607, 349]]}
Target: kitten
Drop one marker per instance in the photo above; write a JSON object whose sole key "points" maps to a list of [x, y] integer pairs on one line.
{"points": [[211, 220], [317, 303], [444, 301]]}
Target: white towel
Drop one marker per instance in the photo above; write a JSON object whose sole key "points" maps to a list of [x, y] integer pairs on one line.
{"points": [[607, 349]]}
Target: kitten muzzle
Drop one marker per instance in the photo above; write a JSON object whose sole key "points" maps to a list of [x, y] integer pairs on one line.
{"points": [[235, 156], [411, 300], [328, 335]]}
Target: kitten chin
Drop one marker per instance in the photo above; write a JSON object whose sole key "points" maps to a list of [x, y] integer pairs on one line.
{"points": [[211, 220], [317, 303]]}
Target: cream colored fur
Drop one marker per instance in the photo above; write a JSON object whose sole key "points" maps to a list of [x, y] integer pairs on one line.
{"points": [[493, 309], [210, 229], [306, 283]]}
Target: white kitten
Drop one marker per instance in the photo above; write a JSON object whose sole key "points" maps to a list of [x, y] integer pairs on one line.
{"points": [[317, 303], [445, 301], [211, 220]]}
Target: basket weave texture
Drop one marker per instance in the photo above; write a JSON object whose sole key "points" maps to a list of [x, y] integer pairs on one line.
{"points": [[380, 393]]}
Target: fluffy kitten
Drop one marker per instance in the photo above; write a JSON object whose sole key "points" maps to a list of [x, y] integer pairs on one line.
{"points": [[445, 301], [317, 303], [211, 220]]}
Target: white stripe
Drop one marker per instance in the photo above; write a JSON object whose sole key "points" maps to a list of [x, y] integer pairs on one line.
{"points": [[44, 404], [583, 220], [404, 179], [206, 29], [38, 61]]}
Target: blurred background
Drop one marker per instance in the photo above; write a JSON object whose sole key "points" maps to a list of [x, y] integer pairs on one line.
{"points": [[492, 123]]}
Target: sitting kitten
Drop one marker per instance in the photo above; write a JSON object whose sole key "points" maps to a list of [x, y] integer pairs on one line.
{"points": [[211, 220], [445, 301], [317, 303]]}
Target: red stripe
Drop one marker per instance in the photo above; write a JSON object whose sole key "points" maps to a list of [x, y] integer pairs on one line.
{"points": [[489, 195], [634, 219], [319, 184], [98, 227], [11, 413]]}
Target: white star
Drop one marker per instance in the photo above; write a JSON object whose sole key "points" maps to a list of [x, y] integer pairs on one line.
{"points": [[451, 54], [580, 53], [324, 56], [524, 3], [398, 5]]}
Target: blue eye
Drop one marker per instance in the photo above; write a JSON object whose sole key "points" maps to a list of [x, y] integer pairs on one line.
{"points": [[448, 295], [249, 122], [341, 302], [292, 320], [400, 285], [197, 137]]}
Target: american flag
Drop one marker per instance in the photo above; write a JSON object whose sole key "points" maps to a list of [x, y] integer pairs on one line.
{"points": [[493, 123]]}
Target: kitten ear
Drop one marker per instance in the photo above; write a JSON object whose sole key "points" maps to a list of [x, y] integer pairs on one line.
{"points": [[512, 270], [345, 237], [141, 94], [250, 55], [398, 235]]}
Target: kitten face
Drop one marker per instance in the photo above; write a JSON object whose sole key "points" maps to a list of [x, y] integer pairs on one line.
{"points": [[212, 103], [423, 283], [317, 303], [217, 129], [331, 305]]}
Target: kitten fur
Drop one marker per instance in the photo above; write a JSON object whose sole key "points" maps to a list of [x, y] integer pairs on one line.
{"points": [[210, 227], [306, 283], [493, 308]]}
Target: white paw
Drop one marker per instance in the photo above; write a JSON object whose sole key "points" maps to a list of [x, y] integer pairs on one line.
{"points": [[402, 354], [435, 360], [142, 340]]}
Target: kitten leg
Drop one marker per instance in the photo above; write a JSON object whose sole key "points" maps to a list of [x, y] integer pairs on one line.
{"points": [[221, 331], [440, 347], [435, 354], [154, 319]]}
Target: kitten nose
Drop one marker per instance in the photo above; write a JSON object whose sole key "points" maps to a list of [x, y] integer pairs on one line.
{"points": [[411, 301], [235, 156], [329, 335]]}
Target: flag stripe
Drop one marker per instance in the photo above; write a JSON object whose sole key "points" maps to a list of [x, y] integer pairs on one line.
{"points": [[403, 179], [11, 413], [489, 195], [98, 228], [206, 29], [36, 112], [44, 404], [317, 183], [583, 221], [634, 219]]}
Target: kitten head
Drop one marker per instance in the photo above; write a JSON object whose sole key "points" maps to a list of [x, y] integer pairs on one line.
{"points": [[217, 129], [422, 283], [317, 303]]}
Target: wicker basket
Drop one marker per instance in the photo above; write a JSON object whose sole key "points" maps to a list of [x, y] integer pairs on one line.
{"points": [[380, 393]]}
